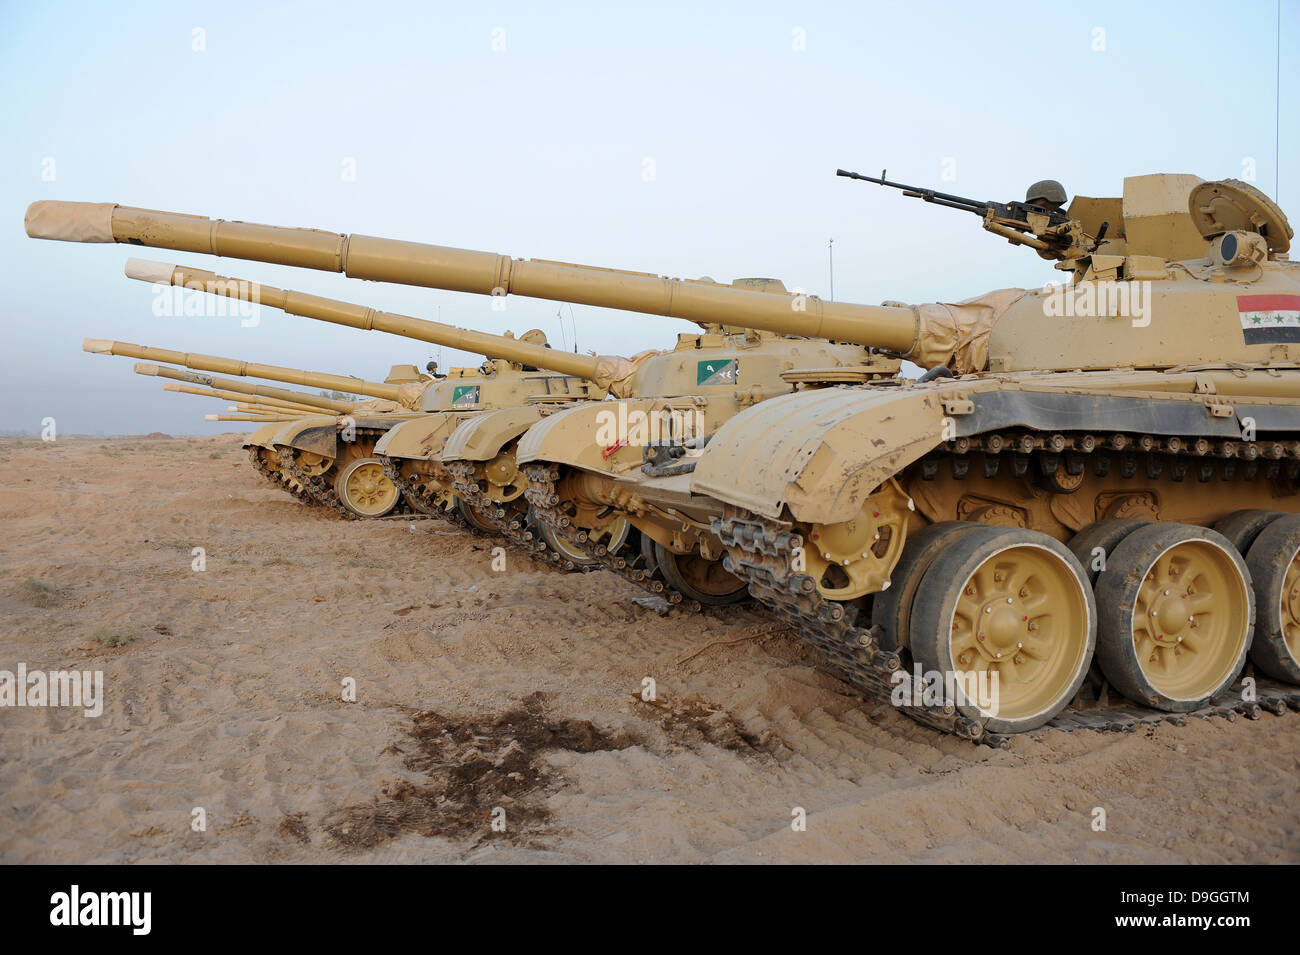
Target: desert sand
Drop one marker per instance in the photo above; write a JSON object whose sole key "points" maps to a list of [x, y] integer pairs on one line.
{"points": [[518, 690]]}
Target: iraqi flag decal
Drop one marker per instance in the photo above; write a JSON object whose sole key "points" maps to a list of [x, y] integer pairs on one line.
{"points": [[1268, 319]]}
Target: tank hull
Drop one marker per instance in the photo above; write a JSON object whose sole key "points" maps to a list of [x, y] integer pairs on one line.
{"points": [[1145, 483]]}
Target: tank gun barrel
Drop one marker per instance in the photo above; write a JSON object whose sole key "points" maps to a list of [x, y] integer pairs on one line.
{"points": [[367, 319], [486, 273], [233, 366], [254, 408], [265, 418], [283, 405], [322, 404]]}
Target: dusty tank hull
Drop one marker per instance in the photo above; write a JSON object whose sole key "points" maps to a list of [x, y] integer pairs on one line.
{"points": [[609, 478], [411, 453], [333, 458], [339, 463], [373, 464], [483, 493], [841, 478]]}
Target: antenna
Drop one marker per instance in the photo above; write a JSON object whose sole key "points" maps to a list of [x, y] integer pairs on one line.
{"points": [[830, 255], [1277, 107], [559, 313], [573, 324]]}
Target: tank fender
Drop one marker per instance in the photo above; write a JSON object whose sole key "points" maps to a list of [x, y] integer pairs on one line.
{"points": [[317, 434], [261, 438], [421, 438], [610, 436], [482, 437], [819, 453]]}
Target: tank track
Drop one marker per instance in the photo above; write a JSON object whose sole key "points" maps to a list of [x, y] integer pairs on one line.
{"points": [[850, 652], [541, 494], [278, 479], [323, 493], [761, 551], [320, 491], [417, 502], [511, 524]]}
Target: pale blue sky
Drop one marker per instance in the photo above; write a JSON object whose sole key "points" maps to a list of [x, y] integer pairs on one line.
{"points": [[539, 150]]}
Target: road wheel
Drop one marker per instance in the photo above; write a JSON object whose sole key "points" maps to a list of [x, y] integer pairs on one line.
{"points": [[1105, 535], [1009, 614], [698, 579], [571, 555], [1274, 565], [891, 609], [364, 489], [475, 517], [1176, 616], [1242, 527]]}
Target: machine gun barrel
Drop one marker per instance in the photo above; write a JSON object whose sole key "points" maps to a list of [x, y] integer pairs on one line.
{"points": [[928, 195], [1043, 228]]}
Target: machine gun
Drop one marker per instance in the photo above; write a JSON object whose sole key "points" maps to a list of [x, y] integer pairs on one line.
{"points": [[1046, 228]]}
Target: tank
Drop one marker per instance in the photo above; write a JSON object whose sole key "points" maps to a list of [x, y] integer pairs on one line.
{"points": [[1098, 501], [606, 481], [262, 445], [519, 371], [724, 309], [265, 459], [268, 457], [476, 476], [1091, 494]]}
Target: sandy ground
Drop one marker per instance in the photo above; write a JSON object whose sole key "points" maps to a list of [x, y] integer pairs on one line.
{"points": [[518, 690]]}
